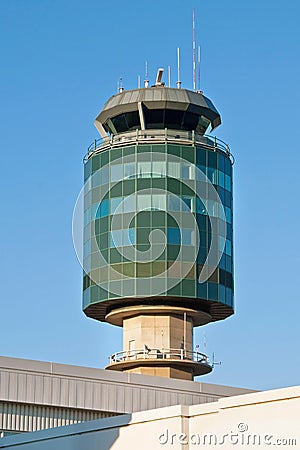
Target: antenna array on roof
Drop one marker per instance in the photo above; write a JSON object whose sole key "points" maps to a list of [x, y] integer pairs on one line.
{"points": [[196, 67]]}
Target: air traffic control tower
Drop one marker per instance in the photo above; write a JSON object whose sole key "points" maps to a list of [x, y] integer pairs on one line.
{"points": [[158, 227]]}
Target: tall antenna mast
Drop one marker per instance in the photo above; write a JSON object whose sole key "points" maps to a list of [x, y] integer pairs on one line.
{"points": [[199, 67], [178, 69], [194, 52], [169, 76]]}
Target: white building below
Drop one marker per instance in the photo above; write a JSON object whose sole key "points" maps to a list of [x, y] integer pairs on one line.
{"points": [[261, 420]]}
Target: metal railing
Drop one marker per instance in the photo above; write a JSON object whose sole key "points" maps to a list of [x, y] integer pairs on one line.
{"points": [[159, 353], [158, 136]]}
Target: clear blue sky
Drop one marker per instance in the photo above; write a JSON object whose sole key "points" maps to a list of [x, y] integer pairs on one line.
{"points": [[60, 61]]}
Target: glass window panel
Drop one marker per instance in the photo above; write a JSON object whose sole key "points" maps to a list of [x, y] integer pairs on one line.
{"points": [[228, 296], [202, 290], [105, 175], [129, 170], [144, 202], [87, 168], [227, 201], [159, 168], [192, 172], [174, 170], [222, 293], [116, 172], [203, 170], [187, 236], [104, 208], [201, 156], [228, 167], [129, 237], [174, 236], [87, 232], [187, 203], [228, 263], [221, 179], [212, 159], [159, 202], [185, 171], [173, 203], [229, 232], [96, 211], [116, 238], [212, 208], [132, 236], [212, 291], [212, 175], [129, 204], [144, 169], [223, 228], [193, 207], [228, 247], [87, 189], [87, 216], [86, 249], [227, 183], [114, 203], [221, 162], [221, 243], [200, 207], [96, 179], [227, 214]]}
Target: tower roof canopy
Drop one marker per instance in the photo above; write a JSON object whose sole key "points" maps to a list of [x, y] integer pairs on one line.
{"points": [[158, 107]]}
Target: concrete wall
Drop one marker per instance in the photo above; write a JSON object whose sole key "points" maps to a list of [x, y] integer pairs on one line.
{"points": [[258, 421]]}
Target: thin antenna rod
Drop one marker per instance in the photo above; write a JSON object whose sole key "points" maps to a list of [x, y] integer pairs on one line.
{"points": [[199, 68], [194, 52], [139, 81], [178, 69], [169, 76], [146, 81], [120, 85]]}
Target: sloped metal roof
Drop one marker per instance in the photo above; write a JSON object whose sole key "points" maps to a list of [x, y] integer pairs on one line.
{"points": [[159, 97]]}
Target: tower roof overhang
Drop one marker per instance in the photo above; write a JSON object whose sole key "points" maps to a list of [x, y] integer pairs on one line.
{"points": [[159, 98]]}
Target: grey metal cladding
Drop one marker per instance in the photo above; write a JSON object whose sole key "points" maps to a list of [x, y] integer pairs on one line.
{"points": [[25, 417], [41, 390], [160, 98]]}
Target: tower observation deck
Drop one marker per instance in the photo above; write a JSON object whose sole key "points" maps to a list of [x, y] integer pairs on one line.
{"points": [[158, 228]]}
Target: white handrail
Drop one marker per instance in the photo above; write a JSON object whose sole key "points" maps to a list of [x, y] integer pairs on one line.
{"points": [[159, 353], [157, 135]]}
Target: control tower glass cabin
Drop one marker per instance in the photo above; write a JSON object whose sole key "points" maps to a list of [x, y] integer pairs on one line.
{"points": [[158, 255]]}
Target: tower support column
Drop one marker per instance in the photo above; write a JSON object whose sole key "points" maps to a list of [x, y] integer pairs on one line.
{"points": [[157, 341]]}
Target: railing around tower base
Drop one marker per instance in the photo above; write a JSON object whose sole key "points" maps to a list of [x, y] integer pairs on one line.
{"points": [[158, 136], [162, 353]]}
